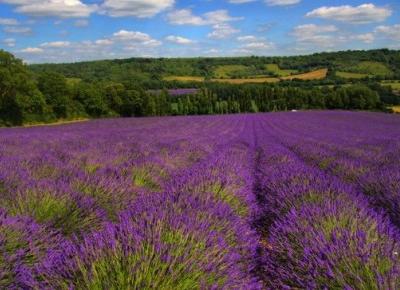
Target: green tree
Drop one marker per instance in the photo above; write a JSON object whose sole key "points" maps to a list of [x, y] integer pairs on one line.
{"points": [[20, 100]]}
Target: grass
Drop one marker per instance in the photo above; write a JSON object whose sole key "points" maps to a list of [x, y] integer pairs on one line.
{"points": [[184, 78], [274, 68], [349, 75], [56, 123], [247, 81], [318, 74], [393, 84], [372, 68], [225, 71]]}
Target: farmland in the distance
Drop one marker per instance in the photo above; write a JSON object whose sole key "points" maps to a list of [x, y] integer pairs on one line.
{"points": [[299, 200], [223, 74]]}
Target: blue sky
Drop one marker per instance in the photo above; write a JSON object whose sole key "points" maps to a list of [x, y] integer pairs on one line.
{"points": [[75, 30]]}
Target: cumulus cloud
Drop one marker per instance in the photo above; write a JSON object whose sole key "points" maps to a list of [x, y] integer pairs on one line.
{"points": [[222, 30], [179, 40], [186, 17], [121, 44], [56, 44], [316, 35], [32, 50], [8, 21], [252, 44], [10, 42], [81, 23], [387, 31], [136, 37], [136, 8], [54, 8], [365, 37], [247, 38], [104, 42], [362, 14], [281, 2], [18, 30]]}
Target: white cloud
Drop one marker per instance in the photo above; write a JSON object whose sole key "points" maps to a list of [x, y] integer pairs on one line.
{"points": [[8, 21], [121, 44], [135, 38], [136, 8], [32, 50], [316, 35], [56, 8], [104, 42], [391, 32], [365, 13], [366, 37], [186, 17], [17, 30], [10, 42], [252, 45], [240, 1], [179, 40], [258, 45], [247, 38], [81, 23], [222, 30], [281, 2], [219, 16], [56, 44]]}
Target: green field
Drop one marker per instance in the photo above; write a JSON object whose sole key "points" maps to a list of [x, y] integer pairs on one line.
{"points": [[184, 78], [394, 85], [73, 81], [350, 75], [275, 69], [372, 68], [226, 71]]}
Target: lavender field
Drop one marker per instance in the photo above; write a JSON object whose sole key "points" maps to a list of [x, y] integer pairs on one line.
{"points": [[299, 200]]}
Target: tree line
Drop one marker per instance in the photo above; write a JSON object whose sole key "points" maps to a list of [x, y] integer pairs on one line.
{"points": [[46, 96]]}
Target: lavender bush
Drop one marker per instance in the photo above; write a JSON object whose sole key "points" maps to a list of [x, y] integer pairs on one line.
{"points": [[305, 200]]}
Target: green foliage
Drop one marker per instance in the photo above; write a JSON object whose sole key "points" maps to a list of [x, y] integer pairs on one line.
{"points": [[146, 268], [20, 100], [120, 87], [277, 71], [372, 68], [61, 212]]}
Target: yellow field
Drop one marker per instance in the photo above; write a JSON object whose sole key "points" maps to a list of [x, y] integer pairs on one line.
{"points": [[312, 75], [394, 85], [184, 79], [349, 75], [247, 81], [57, 123], [396, 109]]}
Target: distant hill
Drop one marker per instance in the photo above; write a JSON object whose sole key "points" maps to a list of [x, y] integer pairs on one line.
{"points": [[145, 72]]}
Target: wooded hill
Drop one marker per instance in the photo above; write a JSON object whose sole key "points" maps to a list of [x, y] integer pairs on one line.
{"points": [[138, 87], [161, 72]]}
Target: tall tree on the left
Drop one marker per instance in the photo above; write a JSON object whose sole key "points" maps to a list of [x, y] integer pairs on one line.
{"points": [[20, 99]]}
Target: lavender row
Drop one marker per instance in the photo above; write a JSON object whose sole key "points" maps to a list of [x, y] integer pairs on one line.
{"points": [[317, 232], [150, 214]]}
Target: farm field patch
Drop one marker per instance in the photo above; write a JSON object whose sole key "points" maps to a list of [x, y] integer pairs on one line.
{"points": [[243, 201]]}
